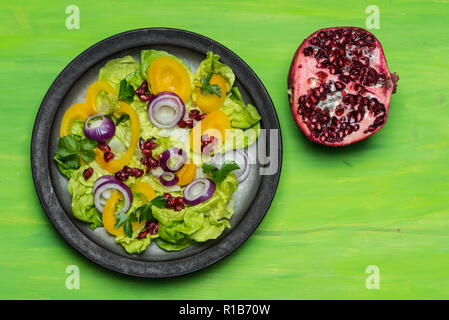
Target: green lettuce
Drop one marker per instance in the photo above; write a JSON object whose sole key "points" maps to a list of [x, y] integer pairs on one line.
{"points": [[116, 70], [241, 116], [205, 221], [212, 65], [83, 207], [107, 103]]}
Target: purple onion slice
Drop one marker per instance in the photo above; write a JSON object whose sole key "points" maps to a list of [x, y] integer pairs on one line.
{"points": [[166, 109], [99, 127], [168, 179], [198, 191], [173, 159], [103, 188]]}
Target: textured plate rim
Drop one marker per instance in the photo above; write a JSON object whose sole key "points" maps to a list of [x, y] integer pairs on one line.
{"points": [[40, 158]]}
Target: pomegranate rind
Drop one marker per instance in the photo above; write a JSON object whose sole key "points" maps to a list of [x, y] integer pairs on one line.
{"points": [[297, 86]]}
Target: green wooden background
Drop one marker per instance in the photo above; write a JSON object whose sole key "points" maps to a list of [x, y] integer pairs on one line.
{"points": [[381, 202]]}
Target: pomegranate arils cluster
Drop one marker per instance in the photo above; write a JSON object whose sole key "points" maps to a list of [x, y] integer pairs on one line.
{"points": [[194, 114], [103, 146], [151, 228], [340, 86], [127, 172], [175, 203], [146, 147], [143, 93]]}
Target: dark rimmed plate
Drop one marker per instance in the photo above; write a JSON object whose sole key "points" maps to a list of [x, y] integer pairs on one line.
{"points": [[252, 199]]}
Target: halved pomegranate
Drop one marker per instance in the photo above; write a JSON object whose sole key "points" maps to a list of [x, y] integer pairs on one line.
{"points": [[339, 86]]}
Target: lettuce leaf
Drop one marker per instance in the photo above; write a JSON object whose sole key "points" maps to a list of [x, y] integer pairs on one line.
{"points": [[212, 65], [241, 116], [83, 207], [116, 70], [207, 220]]}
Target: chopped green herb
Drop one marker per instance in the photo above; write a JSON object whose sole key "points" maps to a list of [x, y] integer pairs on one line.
{"points": [[207, 87], [71, 149], [126, 91], [144, 212], [218, 175]]}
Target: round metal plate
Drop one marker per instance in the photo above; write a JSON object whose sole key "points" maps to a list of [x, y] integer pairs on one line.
{"points": [[252, 199]]}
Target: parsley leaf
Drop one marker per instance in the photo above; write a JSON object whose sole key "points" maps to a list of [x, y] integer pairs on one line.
{"points": [[126, 91], [207, 87], [71, 149], [218, 175], [144, 212]]}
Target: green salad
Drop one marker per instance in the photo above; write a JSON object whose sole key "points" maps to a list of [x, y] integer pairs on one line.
{"points": [[144, 152]]}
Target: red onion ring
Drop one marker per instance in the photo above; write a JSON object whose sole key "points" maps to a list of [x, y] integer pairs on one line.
{"points": [[166, 109], [99, 130], [198, 191], [173, 159], [168, 179], [107, 183]]}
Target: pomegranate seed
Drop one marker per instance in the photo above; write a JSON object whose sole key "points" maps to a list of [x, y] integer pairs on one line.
{"points": [[153, 145], [102, 145], [201, 117], [178, 207], [182, 124], [170, 202], [147, 167], [108, 156], [194, 113], [189, 124], [88, 173], [127, 169], [120, 176], [144, 160], [166, 195], [152, 227], [154, 163], [136, 172], [147, 152], [143, 234], [179, 200]]}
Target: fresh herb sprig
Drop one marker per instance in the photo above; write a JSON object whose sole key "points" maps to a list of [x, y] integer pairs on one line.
{"points": [[218, 175], [126, 91], [207, 87], [140, 214], [71, 149]]}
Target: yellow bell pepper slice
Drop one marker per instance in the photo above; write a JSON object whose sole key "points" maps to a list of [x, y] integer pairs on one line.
{"points": [[215, 124], [78, 111], [92, 92], [116, 165], [145, 189], [186, 174], [109, 219], [81, 111], [209, 102], [167, 74]]}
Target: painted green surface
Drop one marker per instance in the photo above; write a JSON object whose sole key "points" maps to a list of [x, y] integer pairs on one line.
{"points": [[381, 202]]}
